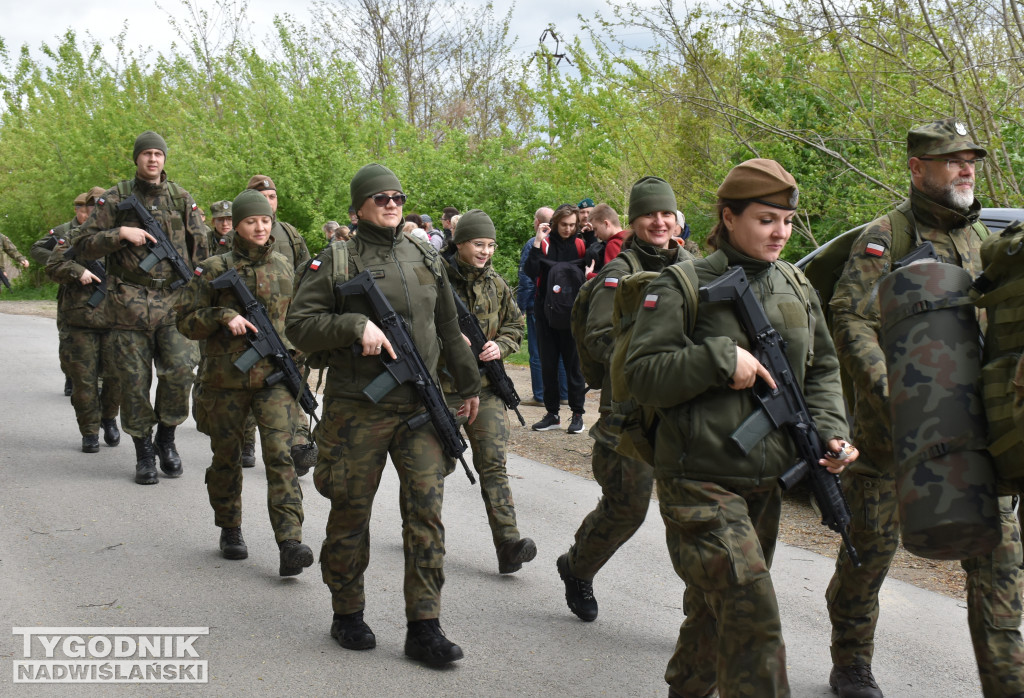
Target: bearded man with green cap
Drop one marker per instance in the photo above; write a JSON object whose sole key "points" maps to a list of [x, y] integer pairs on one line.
{"points": [[490, 300], [626, 483], [355, 436], [141, 303], [943, 161]]}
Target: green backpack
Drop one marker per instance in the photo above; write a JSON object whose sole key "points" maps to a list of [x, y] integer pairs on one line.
{"points": [[634, 423], [590, 362], [1000, 291]]}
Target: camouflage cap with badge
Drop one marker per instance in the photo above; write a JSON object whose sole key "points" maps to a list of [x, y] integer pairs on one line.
{"points": [[220, 209], [941, 137]]}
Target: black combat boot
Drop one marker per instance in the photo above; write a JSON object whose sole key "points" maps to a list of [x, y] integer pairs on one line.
{"points": [[352, 632], [854, 681], [579, 593], [232, 545], [145, 461], [425, 642], [304, 457], [91, 444], [170, 461], [67, 387], [249, 455], [295, 557], [111, 434], [513, 553]]}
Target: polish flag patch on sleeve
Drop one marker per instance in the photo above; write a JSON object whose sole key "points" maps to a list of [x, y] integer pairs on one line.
{"points": [[875, 249], [194, 206], [315, 264], [611, 283], [651, 301], [198, 271]]}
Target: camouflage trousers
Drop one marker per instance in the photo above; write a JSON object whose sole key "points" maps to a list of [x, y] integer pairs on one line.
{"points": [[135, 354], [721, 543], [993, 586], [85, 357], [488, 437], [202, 418], [227, 413], [354, 439], [626, 486]]}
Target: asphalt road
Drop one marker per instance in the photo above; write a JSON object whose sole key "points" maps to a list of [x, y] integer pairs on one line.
{"points": [[83, 546]]}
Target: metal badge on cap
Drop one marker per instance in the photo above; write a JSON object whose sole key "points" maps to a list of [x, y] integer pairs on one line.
{"points": [[960, 128]]}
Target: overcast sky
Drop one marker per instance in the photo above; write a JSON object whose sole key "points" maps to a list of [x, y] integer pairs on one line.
{"points": [[39, 21]]}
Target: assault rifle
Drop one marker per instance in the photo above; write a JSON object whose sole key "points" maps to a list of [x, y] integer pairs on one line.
{"points": [[267, 343], [161, 249], [3, 278], [783, 407], [494, 370], [98, 270], [407, 368]]}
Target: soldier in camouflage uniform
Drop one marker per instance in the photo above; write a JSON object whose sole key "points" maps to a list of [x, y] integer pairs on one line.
{"points": [[356, 436], [230, 396], [941, 209], [85, 349], [292, 246], [721, 508], [41, 249], [140, 303], [219, 240], [489, 298], [7, 248], [626, 483]]}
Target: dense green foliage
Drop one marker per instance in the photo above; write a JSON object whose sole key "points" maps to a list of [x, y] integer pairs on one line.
{"points": [[828, 89]]}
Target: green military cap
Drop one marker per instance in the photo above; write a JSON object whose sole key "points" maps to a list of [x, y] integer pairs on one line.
{"points": [[146, 141], [586, 203], [649, 195], [261, 183], [372, 179], [249, 203], [220, 209], [941, 137], [761, 180]]}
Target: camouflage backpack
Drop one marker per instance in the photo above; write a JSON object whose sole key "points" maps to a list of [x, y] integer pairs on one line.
{"points": [[1000, 291], [634, 422], [590, 363]]}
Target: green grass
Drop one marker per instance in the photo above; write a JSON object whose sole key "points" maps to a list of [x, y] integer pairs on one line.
{"points": [[521, 357], [23, 291]]}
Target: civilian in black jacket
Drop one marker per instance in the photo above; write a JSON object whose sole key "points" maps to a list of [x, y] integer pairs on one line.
{"points": [[564, 246]]}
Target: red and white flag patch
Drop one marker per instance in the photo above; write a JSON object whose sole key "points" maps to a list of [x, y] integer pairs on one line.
{"points": [[611, 283], [194, 206], [875, 249], [101, 201], [651, 301], [198, 271], [315, 264]]}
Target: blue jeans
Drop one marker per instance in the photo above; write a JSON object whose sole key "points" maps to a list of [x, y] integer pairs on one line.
{"points": [[536, 378]]}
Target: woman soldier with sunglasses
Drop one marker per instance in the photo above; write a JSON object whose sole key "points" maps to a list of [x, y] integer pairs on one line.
{"points": [[355, 436]]}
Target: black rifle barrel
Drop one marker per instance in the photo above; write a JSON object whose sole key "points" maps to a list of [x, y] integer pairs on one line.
{"points": [[161, 249]]}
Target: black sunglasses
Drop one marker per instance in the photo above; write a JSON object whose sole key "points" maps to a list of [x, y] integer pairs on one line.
{"points": [[383, 199]]}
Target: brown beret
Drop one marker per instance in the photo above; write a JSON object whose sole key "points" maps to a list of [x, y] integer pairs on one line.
{"points": [[81, 198], [762, 180], [93, 195], [261, 183]]}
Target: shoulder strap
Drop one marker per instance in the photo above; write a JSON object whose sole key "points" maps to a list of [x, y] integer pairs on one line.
{"points": [[904, 231], [124, 187], [686, 276], [798, 281], [632, 260], [430, 256]]}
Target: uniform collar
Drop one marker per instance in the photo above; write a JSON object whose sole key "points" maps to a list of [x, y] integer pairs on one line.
{"points": [[257, 254], [652, 256], [932, 214], [148, 188], [372, 234], [751, 266]]}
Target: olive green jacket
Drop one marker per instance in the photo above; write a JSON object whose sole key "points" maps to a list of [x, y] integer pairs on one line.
{"points": [[204, 311], [410, 275], [41, 248], [490, 299], [687, 377], [7, 247], [72, 297]]}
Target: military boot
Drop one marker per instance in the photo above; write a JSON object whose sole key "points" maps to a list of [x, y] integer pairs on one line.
{"points": [[170, 461], [513, 553], [232, 545], [249, 455], [854, 681], [304, 456], [425, 642], [295, 557], [579, 593], [91, 443], [67, 387], [111, 434], [145, 461], [352, 632]]}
